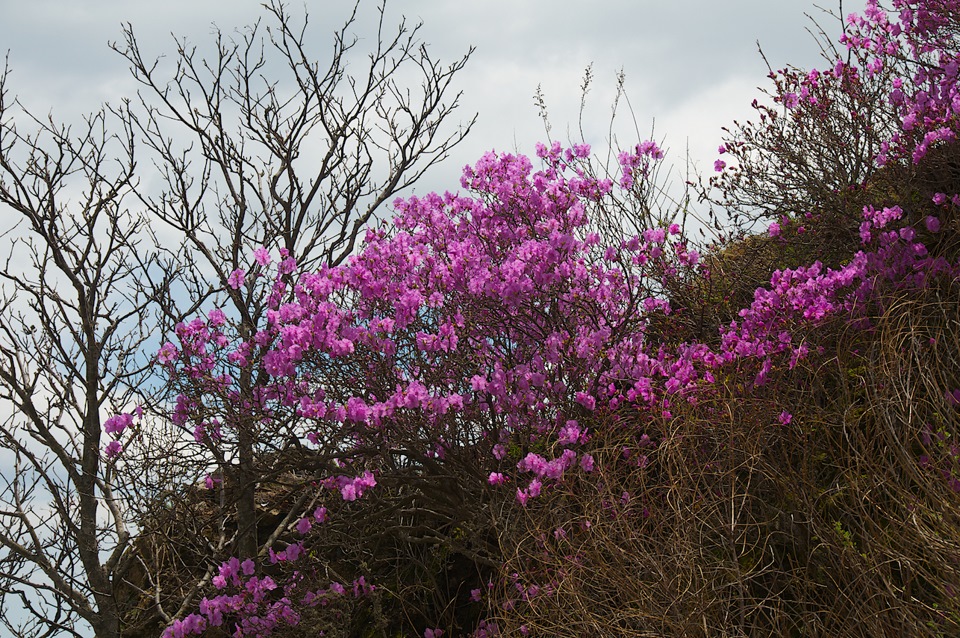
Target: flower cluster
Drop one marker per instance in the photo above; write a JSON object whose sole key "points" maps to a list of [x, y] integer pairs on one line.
{"points": [[260, 604], [497, 308], [115, 426]]}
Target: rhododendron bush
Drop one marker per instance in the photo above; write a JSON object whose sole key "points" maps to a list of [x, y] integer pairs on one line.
{"points": [[486, 323], [500, 324], [582, 418], [473, 319]]}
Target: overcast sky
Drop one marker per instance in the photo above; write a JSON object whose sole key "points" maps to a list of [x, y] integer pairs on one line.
{"points": [[691, 65]]}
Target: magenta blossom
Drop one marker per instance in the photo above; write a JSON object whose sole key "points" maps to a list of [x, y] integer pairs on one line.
{"points": [[117, 423], [262, 256], [236, 278], [112, 450], [167, 353]]}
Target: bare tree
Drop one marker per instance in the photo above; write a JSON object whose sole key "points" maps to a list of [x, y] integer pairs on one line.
{"points": [[72, 327], [256, 145]]}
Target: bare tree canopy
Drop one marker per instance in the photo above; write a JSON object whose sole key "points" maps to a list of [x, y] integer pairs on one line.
{"points": [[116, 230]]}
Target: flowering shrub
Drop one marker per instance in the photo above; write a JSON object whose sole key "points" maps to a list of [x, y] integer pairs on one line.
{"points": [[494, 317], [919, 38], [497, 322], [497, 341], [478, 322]]}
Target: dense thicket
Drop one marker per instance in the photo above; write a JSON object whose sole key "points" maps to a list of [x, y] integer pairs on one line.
{"points": [[534, 406]]}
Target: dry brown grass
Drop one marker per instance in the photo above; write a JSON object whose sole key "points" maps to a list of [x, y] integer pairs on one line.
{"points": [[842, 523]]}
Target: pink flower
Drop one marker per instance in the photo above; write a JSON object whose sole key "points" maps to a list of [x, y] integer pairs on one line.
{"points": [[586, 400], [117, 423], [216, 317], [236, 278], [655, 235], [168, 352], [294, 551], [570, 433], [356, 410], [262, 256], [932, 224], [113, 449], [191, 625], [774, 229], [534, 488], [719, 165], [349, 492], [288, 265], [496, 478], [320, 514], [586, 462], [650, 149], [303, 526], [785, 418]]}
